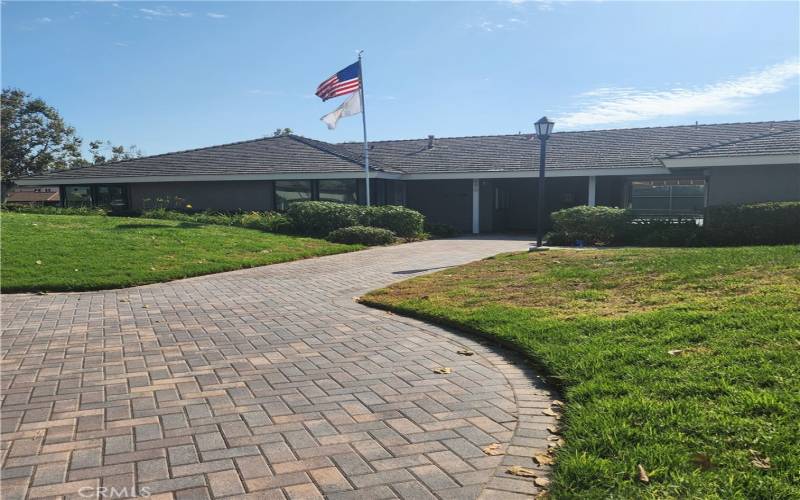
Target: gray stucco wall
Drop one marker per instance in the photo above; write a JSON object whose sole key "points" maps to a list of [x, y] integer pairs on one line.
{"points": [[221, 195], [753, 184], [444, 202]]}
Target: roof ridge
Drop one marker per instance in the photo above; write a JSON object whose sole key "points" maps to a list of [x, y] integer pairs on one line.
{"points": [[718, 144], [564, 132], [309, 142]]}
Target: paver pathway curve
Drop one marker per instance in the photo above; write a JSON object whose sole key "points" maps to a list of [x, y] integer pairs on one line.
{"points": [[269, 382]]}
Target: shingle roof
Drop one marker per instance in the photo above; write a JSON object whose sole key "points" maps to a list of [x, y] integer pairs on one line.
{"points": [[782, 142], [614, 148], [284, 154]]}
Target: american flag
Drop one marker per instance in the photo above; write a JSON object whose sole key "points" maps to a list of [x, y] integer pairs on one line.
{"points": [[344, 82]]}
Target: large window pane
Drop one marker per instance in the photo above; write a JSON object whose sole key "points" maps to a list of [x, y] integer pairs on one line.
{"points": [[668, 197], [288, 192], [78, 196], [111, 196], [338, 190]]}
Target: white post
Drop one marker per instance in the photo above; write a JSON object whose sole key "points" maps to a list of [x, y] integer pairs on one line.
{"points": [[592, 190], [476, 206]]}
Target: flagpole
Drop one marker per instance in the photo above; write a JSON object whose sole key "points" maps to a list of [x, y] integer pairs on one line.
{"points": [[364, 123]]}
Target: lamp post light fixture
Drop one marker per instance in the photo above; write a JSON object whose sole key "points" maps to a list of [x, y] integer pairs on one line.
{"points": [[544, 128]]}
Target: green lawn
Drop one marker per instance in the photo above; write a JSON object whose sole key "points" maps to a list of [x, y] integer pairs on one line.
{"points": [[67, 252], [718, 417]]}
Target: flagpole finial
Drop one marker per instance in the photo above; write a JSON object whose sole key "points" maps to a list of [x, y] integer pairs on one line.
{"points": [[359, 53]]}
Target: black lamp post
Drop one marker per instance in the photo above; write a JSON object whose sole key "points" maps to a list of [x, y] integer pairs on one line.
{"points": [[543, 129]]}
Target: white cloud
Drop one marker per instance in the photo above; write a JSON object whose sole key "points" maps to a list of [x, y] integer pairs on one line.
{"points": [[44, 20], [214, 15], [161, 12], [620, 105]]}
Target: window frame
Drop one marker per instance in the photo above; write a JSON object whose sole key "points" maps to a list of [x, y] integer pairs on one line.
{"points": [[315, 191], [668, 211]]}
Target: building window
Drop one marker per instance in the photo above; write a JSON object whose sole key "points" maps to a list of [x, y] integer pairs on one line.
{"points": [[288, 192], [338, 190], [668, 197], [112, 196], [78, 196]]}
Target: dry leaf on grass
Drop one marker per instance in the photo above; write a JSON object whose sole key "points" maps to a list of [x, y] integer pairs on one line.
{"points": [[465, 352], [493, 449], [643, 477], [758, 461], [702, 460], [517, 470], [552, 429], [543, 459], [443, 370], [550, 413], [39, 262], [541, 482]]}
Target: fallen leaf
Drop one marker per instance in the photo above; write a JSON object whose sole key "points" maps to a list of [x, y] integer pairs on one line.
{"points": [[123, 300], [152, 268], [543, 459], [702, 460], [553, 429], [758, 461], [465, 352], [643, 477], [38, 262], [542, 495], [356, 299], [549, 412], [542, 482], [493, 449], [443, 370], [145, 306], [675, 352], [517, 470], [558, 443], [557, 403]]}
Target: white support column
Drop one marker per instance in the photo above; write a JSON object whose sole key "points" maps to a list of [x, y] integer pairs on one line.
{"points": [[476, 206], [592, 190]]}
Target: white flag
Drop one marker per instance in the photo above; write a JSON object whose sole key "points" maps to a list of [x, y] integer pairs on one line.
{"points": [[350, 107]]}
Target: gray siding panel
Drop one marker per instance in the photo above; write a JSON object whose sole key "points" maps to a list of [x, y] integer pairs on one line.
{"points": [[223, 195], [732, 185], [444, 202]]}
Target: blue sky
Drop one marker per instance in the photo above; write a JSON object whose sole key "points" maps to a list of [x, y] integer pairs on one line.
{"points": [[176, 75]]}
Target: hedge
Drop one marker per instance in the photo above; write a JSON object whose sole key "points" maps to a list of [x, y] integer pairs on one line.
{"points": [[319, 218], [592, 225], [362, 235], [401, 221], [755, 224], [440, 230]]}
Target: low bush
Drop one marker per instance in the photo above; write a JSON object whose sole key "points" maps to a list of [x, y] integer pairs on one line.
{"points": [[319, 218], [362, 235], [401, 221], [592, 225], [662, 233], [755, 224], [272, 222], [440, 230], [49, 210]]}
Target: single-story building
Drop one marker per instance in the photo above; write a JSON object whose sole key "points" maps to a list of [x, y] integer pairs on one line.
{"points": [[477, 184]]}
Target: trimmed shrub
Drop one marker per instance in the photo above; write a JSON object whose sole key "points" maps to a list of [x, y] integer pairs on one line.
{"points": [[401, 221], [755, 224], [439, 230], [361, 235], [319, 218], [592, 225], [662, 233]]}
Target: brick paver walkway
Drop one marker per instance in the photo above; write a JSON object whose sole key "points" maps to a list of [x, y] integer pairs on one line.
{"points": [[268, 383]]}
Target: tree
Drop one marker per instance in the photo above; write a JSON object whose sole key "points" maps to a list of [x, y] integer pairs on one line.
{"points": [[282, 131], [105, 152], [34, 138]]}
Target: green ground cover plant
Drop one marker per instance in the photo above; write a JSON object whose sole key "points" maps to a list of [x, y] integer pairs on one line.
{"points": [[683, 360], [86, 252]]}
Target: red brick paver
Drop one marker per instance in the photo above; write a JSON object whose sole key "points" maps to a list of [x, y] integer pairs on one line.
{"points": [[264, 383]]}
